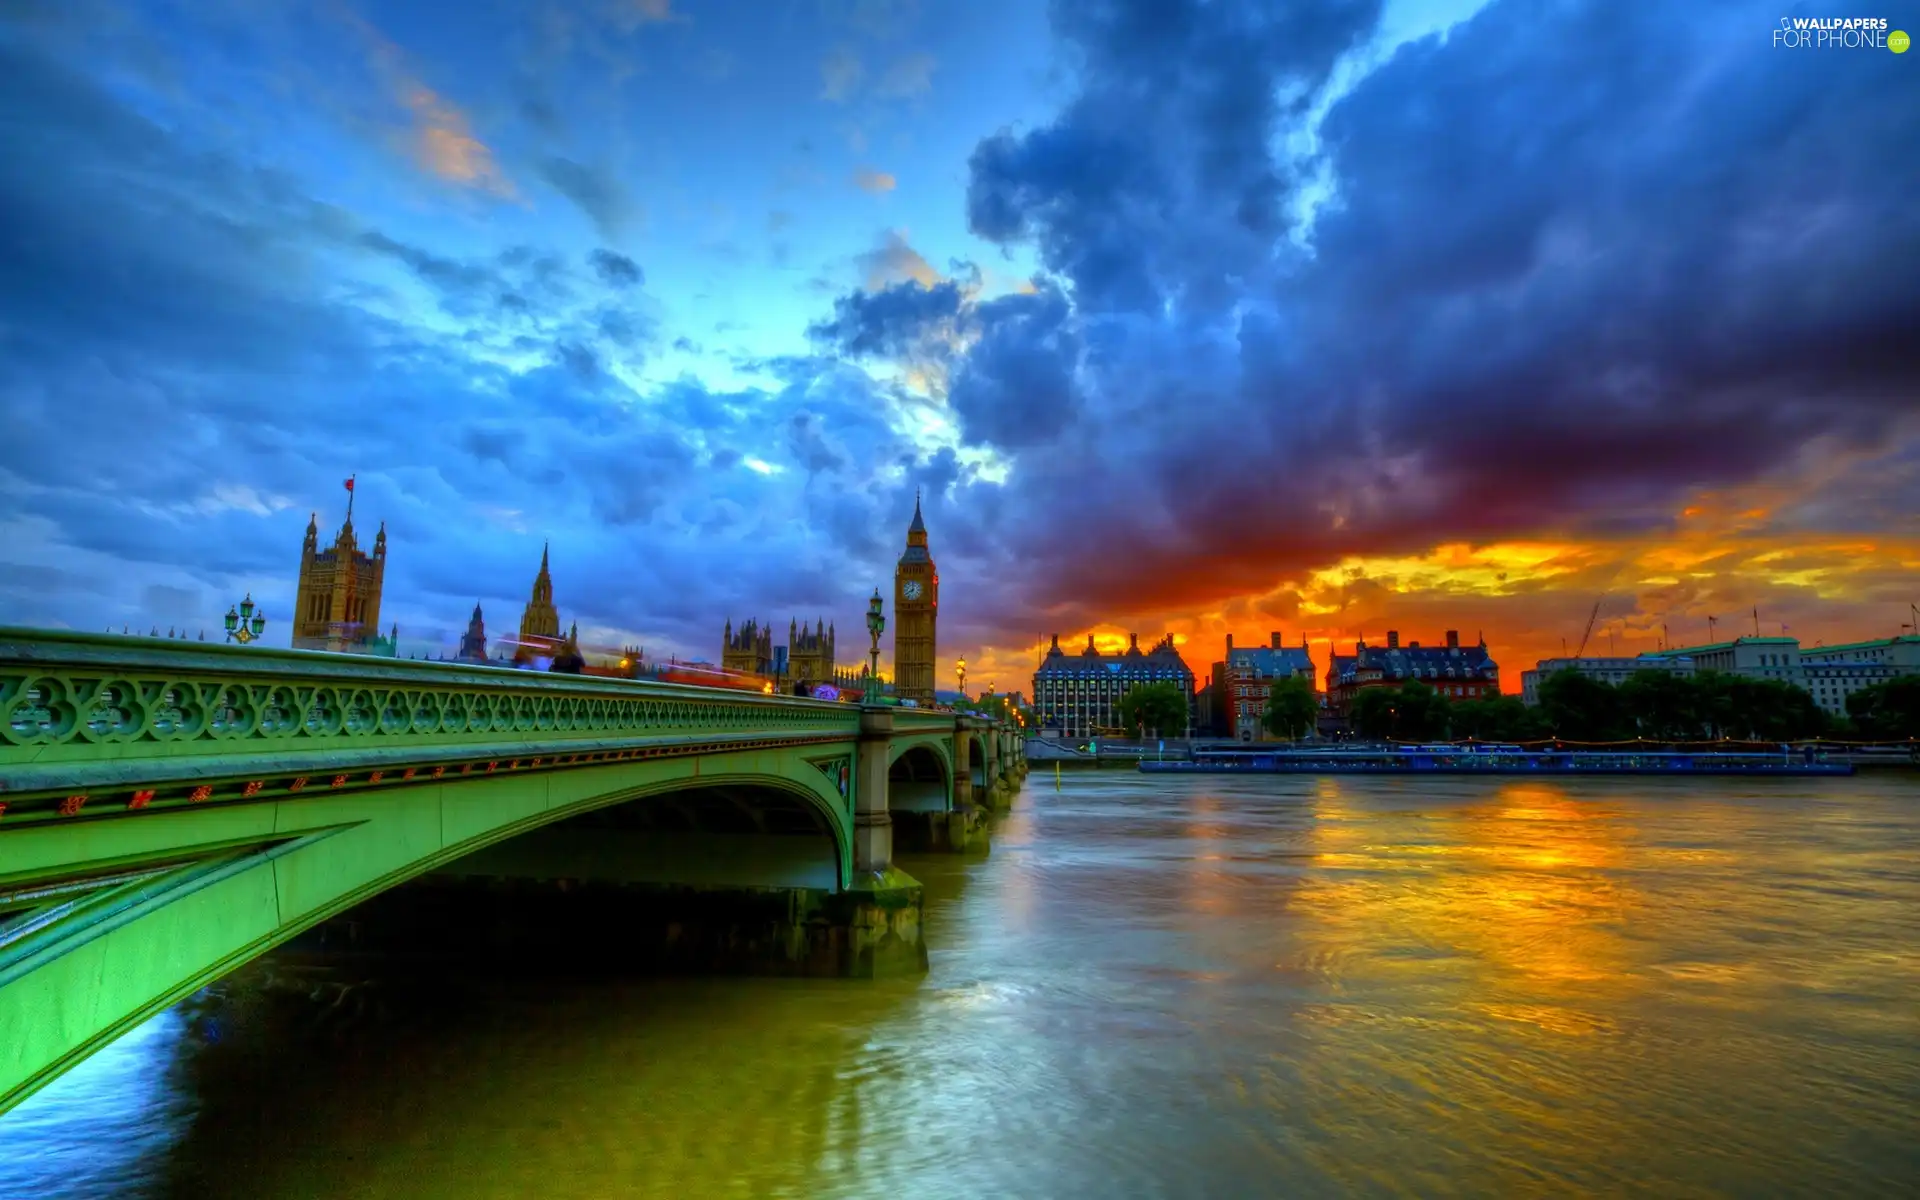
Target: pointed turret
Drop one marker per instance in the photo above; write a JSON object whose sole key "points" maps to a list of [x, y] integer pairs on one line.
{"points": [[312, 544], [567, 659], [380, 542], [540, 620], [543, 583], [473, 643]]}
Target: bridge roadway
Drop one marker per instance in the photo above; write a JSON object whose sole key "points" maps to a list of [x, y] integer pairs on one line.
{"points": [[171, 810]]}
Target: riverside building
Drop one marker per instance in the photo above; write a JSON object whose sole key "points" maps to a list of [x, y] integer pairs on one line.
{"points": [[1829, 674], [1244, 680], [1078, 694], [1455, 671]]}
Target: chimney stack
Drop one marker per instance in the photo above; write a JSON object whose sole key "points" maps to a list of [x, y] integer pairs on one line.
{"points": [[1276, 639], [1453, 639], [1393, 639], [1229, 645]]}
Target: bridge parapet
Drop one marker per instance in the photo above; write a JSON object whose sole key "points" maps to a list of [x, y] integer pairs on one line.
{"points": [[82, 713]]}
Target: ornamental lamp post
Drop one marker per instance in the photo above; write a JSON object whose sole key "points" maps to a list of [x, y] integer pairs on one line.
{"points": [[876, 624], [244, 625], [960, 673]]}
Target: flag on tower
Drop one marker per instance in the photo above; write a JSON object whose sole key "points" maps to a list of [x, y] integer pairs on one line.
{"points": [[349, 483]]}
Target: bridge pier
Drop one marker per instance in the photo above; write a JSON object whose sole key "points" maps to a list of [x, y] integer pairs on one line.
{"points": [[962, 831], [962, 766], [998, 799], [881, 906], [999, 780]]}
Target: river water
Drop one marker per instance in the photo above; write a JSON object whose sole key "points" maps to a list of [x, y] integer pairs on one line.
{"points": [[1153, 987]]}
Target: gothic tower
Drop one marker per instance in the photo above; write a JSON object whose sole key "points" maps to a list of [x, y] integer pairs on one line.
{"points": [[750, 651], [810, 652], [337, 603], [540, 620], [916, 608], [473, 643]]}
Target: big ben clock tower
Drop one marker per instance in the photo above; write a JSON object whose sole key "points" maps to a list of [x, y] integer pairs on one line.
{"points": [[916, 607]]}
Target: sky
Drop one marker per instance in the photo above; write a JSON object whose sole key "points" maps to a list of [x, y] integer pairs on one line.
{"points": [[1181, 317]]}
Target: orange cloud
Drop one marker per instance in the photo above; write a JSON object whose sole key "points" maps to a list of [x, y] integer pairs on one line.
{"points": [[445, 145], [869, 180], [442, 138]]}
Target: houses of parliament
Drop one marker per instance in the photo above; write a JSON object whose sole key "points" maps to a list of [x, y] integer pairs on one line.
{"points": [[807, 660], [337, 608]]}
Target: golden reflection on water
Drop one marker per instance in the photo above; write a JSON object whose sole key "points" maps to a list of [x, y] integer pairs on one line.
{"points": [[1153, 987], [1208, 885]]}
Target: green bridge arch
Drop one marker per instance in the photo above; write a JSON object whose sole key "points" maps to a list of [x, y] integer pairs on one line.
{"points": [[920, 773], [169, 810], [140, 914]]}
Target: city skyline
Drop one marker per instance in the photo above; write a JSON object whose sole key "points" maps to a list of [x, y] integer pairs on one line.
{"points": [[704, 300]]}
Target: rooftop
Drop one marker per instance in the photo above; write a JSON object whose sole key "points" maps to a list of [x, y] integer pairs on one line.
{"points": [[1870, 644], [1714, 646], [1267, 660]]}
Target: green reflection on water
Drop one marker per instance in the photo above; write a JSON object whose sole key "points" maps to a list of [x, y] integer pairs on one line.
{"points": [[1225, 987]]}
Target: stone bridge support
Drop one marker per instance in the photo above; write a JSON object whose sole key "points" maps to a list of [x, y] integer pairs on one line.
{"points": [[872, 824], [962, 765], [998, 797], [882, 905]]}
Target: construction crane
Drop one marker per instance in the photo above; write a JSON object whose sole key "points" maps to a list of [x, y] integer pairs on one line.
{"points": [[1588, 632]]}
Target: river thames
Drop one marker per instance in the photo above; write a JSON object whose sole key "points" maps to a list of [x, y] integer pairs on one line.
{"points": [[1152, 987]]}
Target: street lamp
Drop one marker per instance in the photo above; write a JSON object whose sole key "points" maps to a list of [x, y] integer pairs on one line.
{"points": [[876, 624], [245, 625], [960, 673]]}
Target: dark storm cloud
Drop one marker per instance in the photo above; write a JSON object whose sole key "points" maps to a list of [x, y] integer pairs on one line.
{"points": [[617, 269], [598, 193], [1533, 305], [1156, 182], [1016, 387], [893, 322]]}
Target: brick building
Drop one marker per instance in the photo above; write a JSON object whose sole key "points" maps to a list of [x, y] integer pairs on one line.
{"points": [[1455, 671], [1245, 679]]}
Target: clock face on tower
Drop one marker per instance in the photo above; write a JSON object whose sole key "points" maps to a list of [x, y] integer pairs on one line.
{"points": [[911, 589]]}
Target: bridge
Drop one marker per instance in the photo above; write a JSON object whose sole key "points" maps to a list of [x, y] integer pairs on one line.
{"points": [[172, 810]]}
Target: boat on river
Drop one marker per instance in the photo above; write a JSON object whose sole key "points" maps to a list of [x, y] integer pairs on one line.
{"points": [[1498, 760]]}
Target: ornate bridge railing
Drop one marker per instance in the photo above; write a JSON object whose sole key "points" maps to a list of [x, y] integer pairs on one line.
{"points": [[93, 720]]}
